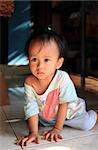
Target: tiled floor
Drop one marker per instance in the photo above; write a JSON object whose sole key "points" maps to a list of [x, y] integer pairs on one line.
{"points": [[12, 126]]}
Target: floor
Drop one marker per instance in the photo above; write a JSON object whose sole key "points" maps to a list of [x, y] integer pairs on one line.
{"points": [[13, 126]]}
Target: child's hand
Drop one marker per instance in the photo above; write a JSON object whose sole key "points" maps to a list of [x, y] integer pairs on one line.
{"points": [[32, 137], [53, 135]]}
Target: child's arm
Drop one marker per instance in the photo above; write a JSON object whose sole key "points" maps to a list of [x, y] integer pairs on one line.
{"points": [[61, 116], [54, 134], [32, 123]]}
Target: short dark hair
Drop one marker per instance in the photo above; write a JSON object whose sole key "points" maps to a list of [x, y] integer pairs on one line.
{"points": [[46, 35]]}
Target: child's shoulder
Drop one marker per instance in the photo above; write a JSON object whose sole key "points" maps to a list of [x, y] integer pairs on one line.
{"points": [[29, 80], [62, 73], [63, 77]]}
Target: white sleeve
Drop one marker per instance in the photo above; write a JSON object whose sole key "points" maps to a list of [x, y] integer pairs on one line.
{"points": [[31, 106], [68, 91]]}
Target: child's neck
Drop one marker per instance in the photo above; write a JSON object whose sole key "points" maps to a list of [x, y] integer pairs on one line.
{"points": [[42, 85]]}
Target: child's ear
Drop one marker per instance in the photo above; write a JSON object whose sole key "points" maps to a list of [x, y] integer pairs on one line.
{"points": [[60, 62]]}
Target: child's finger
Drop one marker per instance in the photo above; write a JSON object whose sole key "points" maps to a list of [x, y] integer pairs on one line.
{"points": [[52, 137], [60, 136], [23, 143], [47, 136], [56, 138], [19, 140], [45, 132], [37, 140], [30, 140]]}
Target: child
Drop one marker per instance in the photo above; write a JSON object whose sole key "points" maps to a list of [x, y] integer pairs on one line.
{"points": [[50, 94]]}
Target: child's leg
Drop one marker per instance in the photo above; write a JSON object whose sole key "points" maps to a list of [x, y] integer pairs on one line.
{"points": [[83, 122]]}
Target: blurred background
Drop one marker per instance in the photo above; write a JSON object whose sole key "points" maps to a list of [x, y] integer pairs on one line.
{"points": [[77, 21]]}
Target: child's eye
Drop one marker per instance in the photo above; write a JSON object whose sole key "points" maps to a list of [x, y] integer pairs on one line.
{"points": [[34, 59], [46, 60]]}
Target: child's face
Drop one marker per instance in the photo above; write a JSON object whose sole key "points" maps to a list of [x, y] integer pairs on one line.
{"points": [[44, 59]]}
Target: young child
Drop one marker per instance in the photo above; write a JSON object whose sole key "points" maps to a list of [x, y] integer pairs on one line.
{"points": [[50, 94]]}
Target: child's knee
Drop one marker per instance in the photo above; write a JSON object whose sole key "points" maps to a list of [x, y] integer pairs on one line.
{"points": [[89, 121], [86, 125]]}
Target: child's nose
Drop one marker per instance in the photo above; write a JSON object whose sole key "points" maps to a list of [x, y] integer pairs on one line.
{"points": [[40, 64]]}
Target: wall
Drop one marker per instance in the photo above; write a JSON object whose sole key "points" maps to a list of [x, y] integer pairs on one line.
{"points": [[19, 26]]}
